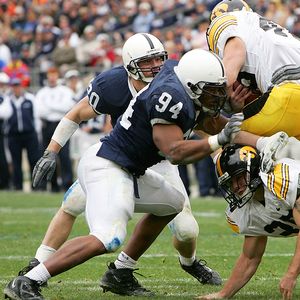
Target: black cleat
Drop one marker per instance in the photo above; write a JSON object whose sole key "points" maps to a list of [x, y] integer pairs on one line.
{"points": [[23, 288], [32, 263], [203, 273], [122, 282]]}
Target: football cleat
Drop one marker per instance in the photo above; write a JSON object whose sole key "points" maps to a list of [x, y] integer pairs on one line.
{"points": [[122, 282], [268, 155], [203, 273], [23, 288], [32, 263]]}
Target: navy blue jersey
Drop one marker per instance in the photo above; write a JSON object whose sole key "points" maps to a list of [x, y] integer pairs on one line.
{"points": [[110, 93], [164, 101]]}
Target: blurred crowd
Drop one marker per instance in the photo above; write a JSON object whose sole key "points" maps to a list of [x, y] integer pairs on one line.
{"points": [[88, 34], [50, 49]]}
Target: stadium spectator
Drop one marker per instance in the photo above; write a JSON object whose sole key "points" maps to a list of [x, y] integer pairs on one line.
{"points": [[142, 22], [277, 12], [52, 103], [5, 113], [199, 35], [163, 15], [253, 199], [21, 131], [64, 54], [18, 69], [64, 24], [87, 45], [73, 81], [5, 53]]}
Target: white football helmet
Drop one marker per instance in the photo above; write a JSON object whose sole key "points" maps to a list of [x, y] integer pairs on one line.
{"points": [[202, 74], [138, 47]]}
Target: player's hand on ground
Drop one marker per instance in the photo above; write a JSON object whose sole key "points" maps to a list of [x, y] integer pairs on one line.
{"points": [[210, 296], [45, 167], [286, 286], [231, 129]]}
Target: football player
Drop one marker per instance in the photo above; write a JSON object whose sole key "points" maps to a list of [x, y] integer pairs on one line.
{"points": [[270, 202], [263, 56], [143, 56], [164, 102]]}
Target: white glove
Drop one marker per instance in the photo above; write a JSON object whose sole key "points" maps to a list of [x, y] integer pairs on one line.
{"points": [[231, 129], [45, 166]]}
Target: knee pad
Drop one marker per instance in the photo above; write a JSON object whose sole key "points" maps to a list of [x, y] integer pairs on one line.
{"points": [[111, 238], [184, 226], [74, 200]]}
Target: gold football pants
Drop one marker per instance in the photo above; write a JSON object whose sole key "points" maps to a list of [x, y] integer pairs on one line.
{"points": [[281, 112]]}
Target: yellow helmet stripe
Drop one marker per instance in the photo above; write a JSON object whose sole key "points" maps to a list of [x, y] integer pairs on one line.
{"points": [[218, 165], [217, 27]]}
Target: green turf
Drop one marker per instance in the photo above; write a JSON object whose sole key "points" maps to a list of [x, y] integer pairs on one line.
{"points": [[25, 217]]}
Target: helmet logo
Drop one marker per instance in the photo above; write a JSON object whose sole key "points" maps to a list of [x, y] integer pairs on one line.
{"points": [[219, 10], [244, 152]]}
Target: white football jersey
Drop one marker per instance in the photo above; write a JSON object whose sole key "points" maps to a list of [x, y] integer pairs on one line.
{"points": [[269, 46], [273, 217]]}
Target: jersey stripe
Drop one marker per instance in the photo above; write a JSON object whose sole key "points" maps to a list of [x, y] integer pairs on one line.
{"points": [[279, 180], [232, 225], [216, 28]]}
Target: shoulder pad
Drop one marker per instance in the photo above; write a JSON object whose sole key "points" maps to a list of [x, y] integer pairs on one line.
{"points": [[217, 26]]}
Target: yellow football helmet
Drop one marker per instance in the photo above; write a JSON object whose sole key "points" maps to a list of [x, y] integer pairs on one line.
{"points": [[229, 6]]}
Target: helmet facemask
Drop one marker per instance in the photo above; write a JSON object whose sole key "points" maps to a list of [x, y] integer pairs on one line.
{"points": [[138, 72], [211, 96]]}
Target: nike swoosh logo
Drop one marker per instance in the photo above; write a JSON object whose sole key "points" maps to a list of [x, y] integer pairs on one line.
{"points": [[13, 283], [117, 279]]}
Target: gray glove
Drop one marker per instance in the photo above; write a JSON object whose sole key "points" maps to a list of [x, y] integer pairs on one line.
{"points": [[45, 166], [231, 129]]}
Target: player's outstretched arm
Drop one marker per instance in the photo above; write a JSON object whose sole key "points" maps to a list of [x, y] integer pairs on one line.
{"points": [[289, 280], [245, 267], [46, 165], [184, 152]]}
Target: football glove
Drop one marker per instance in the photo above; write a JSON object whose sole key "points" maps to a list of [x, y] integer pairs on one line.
{"points": [[231, 129], [44, 167]]}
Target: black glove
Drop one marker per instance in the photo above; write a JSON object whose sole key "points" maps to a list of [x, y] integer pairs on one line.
{"points": [[45, 166]]}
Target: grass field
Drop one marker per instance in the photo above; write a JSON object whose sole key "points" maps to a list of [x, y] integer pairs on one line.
{"points": [[25, 217]]}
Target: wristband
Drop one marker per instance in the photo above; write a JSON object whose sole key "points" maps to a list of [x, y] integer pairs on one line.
{"points": [[64, 131], [213, 143]]}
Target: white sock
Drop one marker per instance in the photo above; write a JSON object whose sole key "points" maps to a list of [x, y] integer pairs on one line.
{"points": [[187, 261], [261, 143], [39, 273], [44, 252], [125, 261]]}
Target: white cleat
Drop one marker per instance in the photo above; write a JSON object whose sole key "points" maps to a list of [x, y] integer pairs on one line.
{"points": [[269, 154]]}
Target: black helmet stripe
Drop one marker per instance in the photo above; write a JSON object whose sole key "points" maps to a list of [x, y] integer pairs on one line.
{"points": [[149, 40]]}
